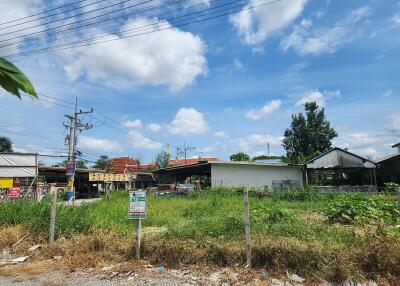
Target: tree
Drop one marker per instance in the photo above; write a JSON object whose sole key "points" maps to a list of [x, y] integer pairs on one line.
{"points": [[79, 164], [162, 159], [103, 163], [240, 157], [5, 145], [13, 79], [267, 157], [308, 136]]}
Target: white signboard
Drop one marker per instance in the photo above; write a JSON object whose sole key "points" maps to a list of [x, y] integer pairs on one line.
{"points": [[137, 205]]}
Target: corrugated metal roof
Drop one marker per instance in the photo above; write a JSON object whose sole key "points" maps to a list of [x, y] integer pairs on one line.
{"points": [[389, 157], [339, 158]]}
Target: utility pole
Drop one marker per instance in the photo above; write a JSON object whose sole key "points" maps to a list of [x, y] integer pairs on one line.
{"points": [[268, 148], [74, 126], [183, 151]]}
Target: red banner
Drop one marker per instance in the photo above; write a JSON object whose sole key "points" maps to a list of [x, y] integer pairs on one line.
{"points": [[14, 192]]}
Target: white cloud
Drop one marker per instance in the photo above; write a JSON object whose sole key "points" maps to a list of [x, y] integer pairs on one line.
{"points": [[30, 148], [173, 57], [139, 141], [154, 127], [188, 121], [97, 144], [238, 64], [327, 39], [206, 150], [137, 123], [388, 92], [361, 143], [319, 97], [221, 134], [11, 10], [396, 19], [358, 140], [256, 143], [255, 25], [265, 111], [393, 128], [368, 152], [256, 50]]}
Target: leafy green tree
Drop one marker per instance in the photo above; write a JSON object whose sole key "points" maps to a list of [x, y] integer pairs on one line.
{"points": [[103, 163], [13, 79], [5, 145], [79, 164], [266, 157], [309, 135], [240, 157], [162, 159]]}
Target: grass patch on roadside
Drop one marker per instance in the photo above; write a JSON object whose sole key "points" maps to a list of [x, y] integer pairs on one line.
{"points": [[291, 230]]}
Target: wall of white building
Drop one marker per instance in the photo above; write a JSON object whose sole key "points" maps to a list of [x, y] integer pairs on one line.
{"points": [[252, 175]]}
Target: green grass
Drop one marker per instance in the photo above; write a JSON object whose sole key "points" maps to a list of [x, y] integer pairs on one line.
{"points": [[208, 214], [290, 230]]}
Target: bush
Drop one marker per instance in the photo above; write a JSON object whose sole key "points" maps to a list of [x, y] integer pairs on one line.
{"points": [[263, 214], [303, 195], [362, 209], [391, 187]]}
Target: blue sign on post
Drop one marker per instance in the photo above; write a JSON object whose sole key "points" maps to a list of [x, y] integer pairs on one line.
{"points": [[70, 168]]}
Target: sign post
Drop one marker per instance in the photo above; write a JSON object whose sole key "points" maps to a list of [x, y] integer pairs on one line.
{"points": [[137, 211]]}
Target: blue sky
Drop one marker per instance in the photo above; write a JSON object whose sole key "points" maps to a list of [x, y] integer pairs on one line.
{"points": [[222, 86]]}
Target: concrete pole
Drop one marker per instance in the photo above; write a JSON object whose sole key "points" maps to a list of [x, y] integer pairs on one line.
{"points": [[138, 236], [247, 226], [398, 197], [53, 216]]}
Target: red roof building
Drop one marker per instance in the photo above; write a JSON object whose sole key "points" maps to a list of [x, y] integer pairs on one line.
{"points": [[119, 164]]}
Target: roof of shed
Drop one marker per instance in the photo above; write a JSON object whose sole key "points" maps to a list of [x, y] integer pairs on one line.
{"points": [[340, 159]]}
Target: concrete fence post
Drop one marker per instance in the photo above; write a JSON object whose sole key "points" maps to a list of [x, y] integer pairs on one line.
{"points": [[398, 198], [247, 226], [53, 211]]}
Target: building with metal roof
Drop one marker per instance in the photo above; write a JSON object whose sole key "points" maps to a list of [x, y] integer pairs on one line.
{"points": [[233, 174], [389, 167], [340, 167]]}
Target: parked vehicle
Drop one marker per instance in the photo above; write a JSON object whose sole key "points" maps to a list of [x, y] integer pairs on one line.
{"points": [[185, 187]]}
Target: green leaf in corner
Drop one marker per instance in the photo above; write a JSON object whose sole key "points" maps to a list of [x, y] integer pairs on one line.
{"points": [[13, 79]]}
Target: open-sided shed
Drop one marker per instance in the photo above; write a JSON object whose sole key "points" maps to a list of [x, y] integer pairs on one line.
{"points": [[340, 167]]}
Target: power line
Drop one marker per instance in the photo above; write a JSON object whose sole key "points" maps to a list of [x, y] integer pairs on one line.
{"points": [[58, 20], [73, 44], [44, 12], [154, 24], [23, 134], [72, 28]]}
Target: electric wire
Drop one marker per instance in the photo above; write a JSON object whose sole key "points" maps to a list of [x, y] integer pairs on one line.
{"points": [[154, 24], [73, 44], [102, 22], [58, 20], [44, 12]]}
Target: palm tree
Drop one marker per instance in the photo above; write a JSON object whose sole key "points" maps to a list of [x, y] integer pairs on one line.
{"points": [[13, 79], [5, 145]]}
